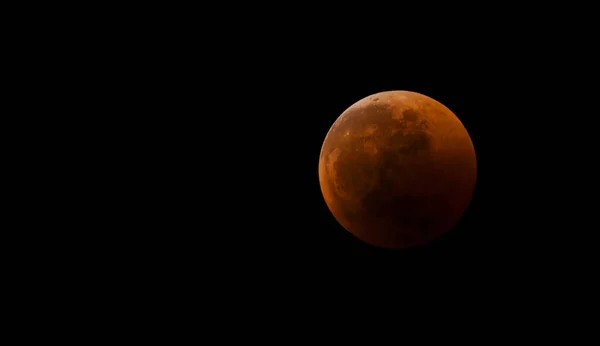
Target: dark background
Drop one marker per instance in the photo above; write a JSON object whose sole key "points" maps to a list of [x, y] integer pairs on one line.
{"points": [[185, 175]]}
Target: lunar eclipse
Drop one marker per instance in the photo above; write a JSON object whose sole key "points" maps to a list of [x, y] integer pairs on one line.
{"points": [[397, 169]]}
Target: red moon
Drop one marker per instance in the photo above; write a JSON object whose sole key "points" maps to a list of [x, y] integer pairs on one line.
{"points": [[397, 169]]}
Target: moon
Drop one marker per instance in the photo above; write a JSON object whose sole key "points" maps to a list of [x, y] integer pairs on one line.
{"points": [[397, 169]]}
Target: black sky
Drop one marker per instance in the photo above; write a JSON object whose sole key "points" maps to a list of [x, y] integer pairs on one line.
{"points": [[198, 193]]}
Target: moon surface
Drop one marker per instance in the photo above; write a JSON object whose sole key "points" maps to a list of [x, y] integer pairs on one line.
{"points": [[397, 169]]}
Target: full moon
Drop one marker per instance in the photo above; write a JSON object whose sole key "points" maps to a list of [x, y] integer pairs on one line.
{"points": [[397, 169]]}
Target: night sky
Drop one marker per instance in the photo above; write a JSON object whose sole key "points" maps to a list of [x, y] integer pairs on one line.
{"points": [[185, 188]]}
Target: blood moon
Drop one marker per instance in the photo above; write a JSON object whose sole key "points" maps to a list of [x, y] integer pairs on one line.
{"points": [[397, 169]]}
